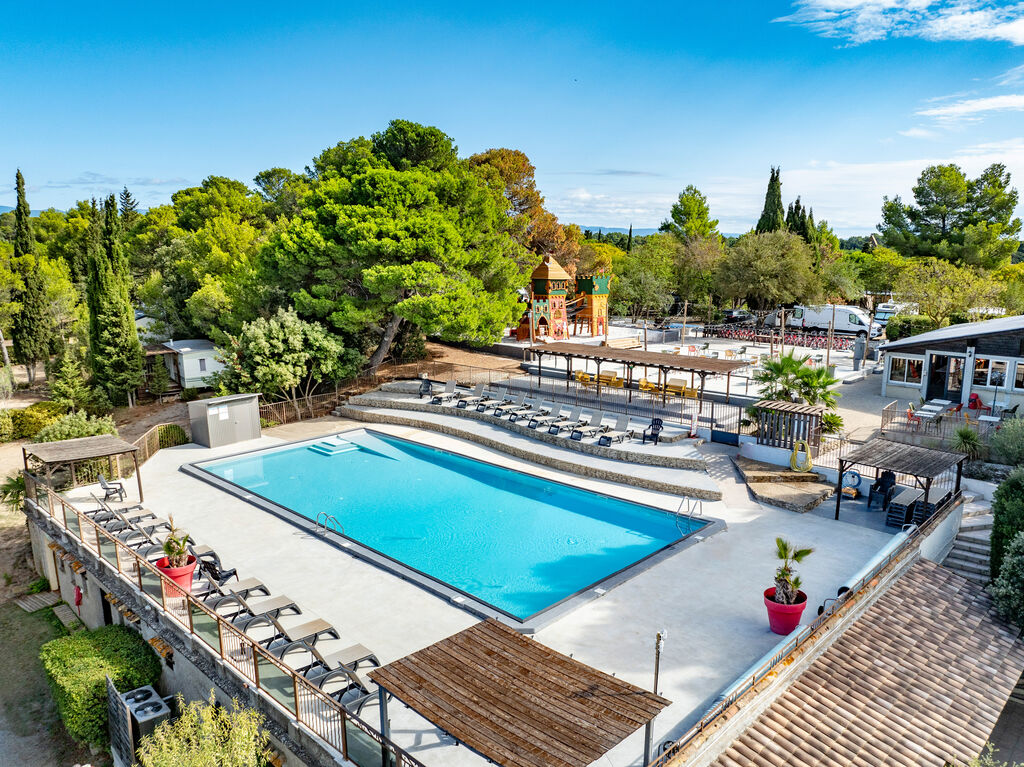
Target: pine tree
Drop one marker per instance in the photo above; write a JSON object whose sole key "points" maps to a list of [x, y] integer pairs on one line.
{"points": [[68, 385], [629, 240], [796, 218], [33, 325], [129, 210], [115, 352], [773, 217]]}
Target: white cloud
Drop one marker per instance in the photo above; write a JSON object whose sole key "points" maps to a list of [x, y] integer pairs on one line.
{"points": [[862, 21], [973, 107], [1013, 76], [917, 132]]}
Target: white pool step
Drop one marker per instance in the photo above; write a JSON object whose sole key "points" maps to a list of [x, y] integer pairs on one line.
{"points": [[333, 447]]}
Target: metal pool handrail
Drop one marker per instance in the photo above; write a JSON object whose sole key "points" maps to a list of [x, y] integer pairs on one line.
{"points": [[322, 715], [809, 633]]}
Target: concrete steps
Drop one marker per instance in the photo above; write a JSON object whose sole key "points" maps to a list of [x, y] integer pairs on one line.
{"points": [[972, 548], [798, 491]]}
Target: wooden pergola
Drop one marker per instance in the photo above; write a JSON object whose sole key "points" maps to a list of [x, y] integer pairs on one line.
{"points": [[781, 423], [923, 464], [515, 701], [630, 358], [50, 456]]}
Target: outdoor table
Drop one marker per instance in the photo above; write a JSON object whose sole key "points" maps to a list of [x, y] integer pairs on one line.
{"points": [[998, 407], [989, 418], [922, 413], [930, 408], [941, 402], [907, 496]]}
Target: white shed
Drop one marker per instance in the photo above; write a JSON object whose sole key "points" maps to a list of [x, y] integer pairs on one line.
{"points": [[193, 362]]}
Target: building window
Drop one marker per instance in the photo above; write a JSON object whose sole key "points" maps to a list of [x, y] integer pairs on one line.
{"points": [[202, 365], [988, 372], [1018, 381], [903, 370], [981, 368]]}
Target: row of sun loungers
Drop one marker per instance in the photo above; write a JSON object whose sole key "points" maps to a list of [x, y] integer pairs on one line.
{"points": [[547, 415], [276, 622]]}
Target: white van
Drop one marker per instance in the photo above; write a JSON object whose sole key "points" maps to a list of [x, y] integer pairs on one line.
{"points": [[848, 319], [888, 310]]}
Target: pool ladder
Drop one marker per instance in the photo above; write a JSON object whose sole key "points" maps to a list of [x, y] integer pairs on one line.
{"points": [[328, 522], [689, 508]]}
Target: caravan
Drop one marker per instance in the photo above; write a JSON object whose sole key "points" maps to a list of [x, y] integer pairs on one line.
{"points": [[848, 319]]}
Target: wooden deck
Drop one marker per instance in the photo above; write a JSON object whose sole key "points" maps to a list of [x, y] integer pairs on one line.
{"points": [[517, 702]]}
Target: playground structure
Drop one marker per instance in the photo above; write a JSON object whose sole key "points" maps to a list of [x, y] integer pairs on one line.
{"points": [[549, 311]]}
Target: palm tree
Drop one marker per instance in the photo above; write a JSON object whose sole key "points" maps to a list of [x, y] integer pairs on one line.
{"points": [[816, 387], [787, 582], [781, 379], [12, 491]]}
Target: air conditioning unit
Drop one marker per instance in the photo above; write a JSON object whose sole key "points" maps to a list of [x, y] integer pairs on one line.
{"points": [[147, 709]]}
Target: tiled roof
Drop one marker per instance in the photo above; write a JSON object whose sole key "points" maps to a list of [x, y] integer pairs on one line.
{"points": [[921, 677]]}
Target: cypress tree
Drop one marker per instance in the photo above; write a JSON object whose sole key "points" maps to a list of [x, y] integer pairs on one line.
{"points": [[773, 217], [629, 240], [115, 352], [129, 209], [33, 325]]}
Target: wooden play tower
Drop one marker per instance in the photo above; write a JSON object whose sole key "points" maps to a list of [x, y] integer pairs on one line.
{"points": [[592, 297]]}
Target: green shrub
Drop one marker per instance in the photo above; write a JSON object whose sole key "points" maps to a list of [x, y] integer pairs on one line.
{"points": [[77, 666], [266, 423], [188, 394], [74, 425], [1008, 589], [39, 585], [28, 421], [903, 325], [831, 423], [206, 733], [1008, 442], [172, 435], [98, 402], [967, 441], [1007, 516], [6, 426]]}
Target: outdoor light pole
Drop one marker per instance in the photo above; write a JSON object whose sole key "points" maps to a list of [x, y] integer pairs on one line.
{"points": [[659, 643]]}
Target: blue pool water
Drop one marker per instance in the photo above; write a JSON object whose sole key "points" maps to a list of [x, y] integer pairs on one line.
{"points": [[514, 541]]}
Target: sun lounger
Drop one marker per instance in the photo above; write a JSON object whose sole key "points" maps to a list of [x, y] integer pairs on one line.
{"points": [[273, 630], [620, 433], [571, 422], [347, 687], [112, 489], [545, 419], [303, 657], [594, 427], [465, 400], [494, 399], [543, 409], [248, 609], [508, 406], [447, 394]]}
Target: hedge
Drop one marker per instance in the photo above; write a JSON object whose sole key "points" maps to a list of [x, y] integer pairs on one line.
{"points": [[75, 425], [903, 325], [27, 422], [77, 667], [1007, 517]]}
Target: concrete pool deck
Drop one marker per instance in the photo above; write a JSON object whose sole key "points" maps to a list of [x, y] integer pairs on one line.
{"points": [[708, 596]]}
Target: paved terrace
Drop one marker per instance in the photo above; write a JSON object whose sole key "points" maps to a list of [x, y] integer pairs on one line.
{"points": [[707, 596]]}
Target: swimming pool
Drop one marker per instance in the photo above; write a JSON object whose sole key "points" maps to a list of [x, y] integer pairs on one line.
{"points": [[513, 541]]}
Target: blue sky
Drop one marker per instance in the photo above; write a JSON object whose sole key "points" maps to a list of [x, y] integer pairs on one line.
{"points": [[619, 105]]}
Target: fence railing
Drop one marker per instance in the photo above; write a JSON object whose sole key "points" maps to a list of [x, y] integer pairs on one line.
{"points": [[280, 686], [937, 431], [290, 411], [809, 634]]}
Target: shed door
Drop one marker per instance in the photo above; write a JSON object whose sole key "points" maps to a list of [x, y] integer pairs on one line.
{"points": [[245, 417]]}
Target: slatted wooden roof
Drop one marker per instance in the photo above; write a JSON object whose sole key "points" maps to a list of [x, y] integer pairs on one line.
{"points": [[517, 702], [913, 460], [79, 449], [918, 680], [685, 362], [781, 406]]}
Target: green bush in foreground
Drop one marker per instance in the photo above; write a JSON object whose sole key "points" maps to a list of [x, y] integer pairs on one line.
{"points": [[28, 421], [207, 734], [1008, 442], [1008, 589], [6, 426], [1007, 516], [77, 666], [74, 425]]}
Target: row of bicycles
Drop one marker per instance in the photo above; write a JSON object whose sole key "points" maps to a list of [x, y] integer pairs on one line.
{"points": [[807, 340]]}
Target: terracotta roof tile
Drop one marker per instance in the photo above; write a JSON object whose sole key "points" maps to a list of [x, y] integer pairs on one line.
{"points": [[918, 679]]}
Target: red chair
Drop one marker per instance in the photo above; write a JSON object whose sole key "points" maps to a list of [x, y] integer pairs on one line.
{"points": [[974, 403], [914, 419], [958, 408]]}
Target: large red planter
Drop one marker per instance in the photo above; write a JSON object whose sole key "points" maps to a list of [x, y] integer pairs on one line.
{"points": [[182, 576], [782, 619]]}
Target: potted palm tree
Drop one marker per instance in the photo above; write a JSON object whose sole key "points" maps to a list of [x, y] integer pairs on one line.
{"points": [[177, 564], [785, 601]]}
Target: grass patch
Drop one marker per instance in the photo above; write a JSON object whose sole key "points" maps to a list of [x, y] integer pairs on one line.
{"points": [[26, 706]]}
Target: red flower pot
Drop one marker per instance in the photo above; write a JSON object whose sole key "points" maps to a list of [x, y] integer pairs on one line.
{"points": [[182, 576], [782, 619]]}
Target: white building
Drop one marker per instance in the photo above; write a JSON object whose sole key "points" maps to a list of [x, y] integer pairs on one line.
{"points": [[193, 362]]}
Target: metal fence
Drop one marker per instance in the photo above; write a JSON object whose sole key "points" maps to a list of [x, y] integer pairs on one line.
{"points": [[290, 411], [937, 431], [279, 686], [818, 628]]}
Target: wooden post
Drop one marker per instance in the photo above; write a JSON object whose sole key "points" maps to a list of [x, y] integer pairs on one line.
{"points": [[728, 378], [682, 338], [645, 335], [839, 485], [385, 725], [703, 380], [782, 340], [138, 474]]}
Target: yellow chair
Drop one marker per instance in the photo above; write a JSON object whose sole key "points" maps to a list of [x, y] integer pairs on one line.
{"points": [[584, 378], [691, 393], [647, 386], [730, 354]]}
